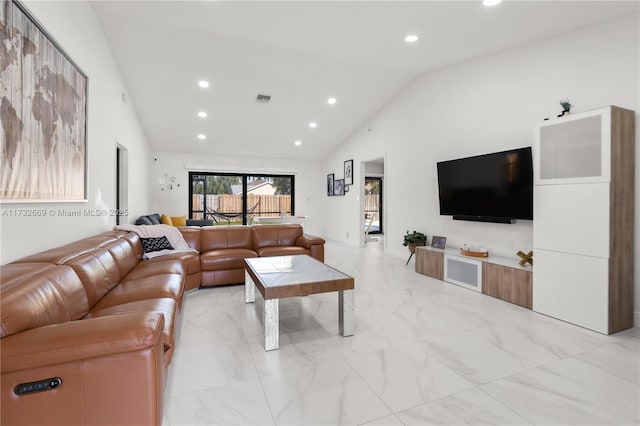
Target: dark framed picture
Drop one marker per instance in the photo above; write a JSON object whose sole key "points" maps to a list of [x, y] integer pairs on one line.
{"points": [[330, 184], [348, 172], [44, 114], [338, 187], [438, 242]]}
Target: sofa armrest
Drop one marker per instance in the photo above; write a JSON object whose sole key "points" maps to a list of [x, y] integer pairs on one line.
{"points": [[82, 339], [306, 241], [111, 370]]}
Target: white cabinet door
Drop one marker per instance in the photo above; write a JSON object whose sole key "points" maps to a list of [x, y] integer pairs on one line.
{"points": [[572, 218], [463, 271], [572, 288], [574, 149]]}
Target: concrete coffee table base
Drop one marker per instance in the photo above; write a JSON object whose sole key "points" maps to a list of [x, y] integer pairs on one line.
{"points": [[290, 276]]}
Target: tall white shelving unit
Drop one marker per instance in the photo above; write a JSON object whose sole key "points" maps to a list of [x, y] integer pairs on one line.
{"points": [[583, 219]]}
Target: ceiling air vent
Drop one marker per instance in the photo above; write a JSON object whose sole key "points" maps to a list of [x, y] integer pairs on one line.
{"points": [[263, 99]]}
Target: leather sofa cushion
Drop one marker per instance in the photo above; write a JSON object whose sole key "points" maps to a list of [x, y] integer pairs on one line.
{"points": [[225, 259], [47, 295], [98, 273], [166, 306], [282, 251], [225, 237], [136, 244], [152, 287], [191, 237], [275, 235], [222, 277], [123, 255], [156, 266]]}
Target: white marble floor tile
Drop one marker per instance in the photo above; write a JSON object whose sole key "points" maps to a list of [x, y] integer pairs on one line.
{"points": [[539, 341], [470, 407], [621, 359], [406, 376], [474, 358], [201, 367], [327, 394], [241, 403], [569, 392], [296, 351], [391, 420]]}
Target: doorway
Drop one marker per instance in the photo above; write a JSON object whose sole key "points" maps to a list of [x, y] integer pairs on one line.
{"points": [[122, 198], [373, 206]]}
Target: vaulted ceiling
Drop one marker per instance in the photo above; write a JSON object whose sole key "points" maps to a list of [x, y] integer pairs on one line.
{"points": [[301, 53]]}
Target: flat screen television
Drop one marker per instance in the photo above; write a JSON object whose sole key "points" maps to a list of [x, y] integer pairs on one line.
{"points": [[496, 187]]}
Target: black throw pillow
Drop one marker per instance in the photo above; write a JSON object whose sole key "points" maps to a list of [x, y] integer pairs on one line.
{"points": [[154, 218], [155, 244]]}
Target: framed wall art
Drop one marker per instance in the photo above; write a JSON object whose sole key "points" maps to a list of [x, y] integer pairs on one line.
{"points": [[330, 179], [348, 172], [338, 187], [43, 114]]}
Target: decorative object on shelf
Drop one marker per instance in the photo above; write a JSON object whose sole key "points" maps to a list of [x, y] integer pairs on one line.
{"points": [[348, 172], [338, 187], [566, 107], [481, 252], [413, 240], [44, 115], [526, 258], [330, 179], [438, 242]]}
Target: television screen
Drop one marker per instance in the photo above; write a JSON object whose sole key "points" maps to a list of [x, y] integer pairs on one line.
{"points": [[492, 186]]}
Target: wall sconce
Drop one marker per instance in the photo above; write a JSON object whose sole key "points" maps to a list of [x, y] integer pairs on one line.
{"points": [[167, 183]]}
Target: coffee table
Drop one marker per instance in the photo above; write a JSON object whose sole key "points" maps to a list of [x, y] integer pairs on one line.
{"points": [[278, 277]]}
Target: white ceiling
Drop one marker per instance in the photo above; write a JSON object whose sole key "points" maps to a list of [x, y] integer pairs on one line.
{"points": [[301, 53]]}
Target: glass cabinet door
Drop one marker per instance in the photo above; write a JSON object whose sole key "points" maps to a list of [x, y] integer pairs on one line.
{"points": [[574, 149]]}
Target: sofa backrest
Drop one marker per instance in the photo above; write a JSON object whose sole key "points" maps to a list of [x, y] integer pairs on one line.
{"points": [[275, 235], [224, 237], [34, 295], [98, 271], [191, 236], [124, 255], [134, 241], [63, 254]]}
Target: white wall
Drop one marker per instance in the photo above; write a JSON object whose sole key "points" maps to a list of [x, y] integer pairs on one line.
{"points": [[481, 106], [76, 28], [309, 181]]}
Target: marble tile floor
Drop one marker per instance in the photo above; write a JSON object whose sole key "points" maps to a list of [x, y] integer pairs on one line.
{"points": [[424, 352]]}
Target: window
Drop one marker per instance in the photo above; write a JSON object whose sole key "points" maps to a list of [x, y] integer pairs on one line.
{"points": [[237, 199]]}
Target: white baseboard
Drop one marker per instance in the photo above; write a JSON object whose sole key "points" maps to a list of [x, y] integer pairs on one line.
{"points": [[636, 319]]}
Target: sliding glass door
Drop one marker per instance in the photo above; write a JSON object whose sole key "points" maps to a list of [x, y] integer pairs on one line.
{"points": [[240, 199]]}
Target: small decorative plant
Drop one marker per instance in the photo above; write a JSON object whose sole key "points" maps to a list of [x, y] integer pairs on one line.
{"points": [[565, 104], [414, 237]]}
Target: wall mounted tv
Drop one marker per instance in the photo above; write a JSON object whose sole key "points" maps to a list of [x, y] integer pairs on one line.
{"points": [[495, 187]]}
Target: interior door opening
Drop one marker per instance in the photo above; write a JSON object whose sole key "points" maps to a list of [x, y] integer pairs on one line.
{"points": [[373, 207]]}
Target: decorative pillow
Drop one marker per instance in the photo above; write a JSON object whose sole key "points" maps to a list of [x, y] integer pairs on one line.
{"points": [[179, 220], [154, 218], [166, 220], [155, 244], [144, 220]]}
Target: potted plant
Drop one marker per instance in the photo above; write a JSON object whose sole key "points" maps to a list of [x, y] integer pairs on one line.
{"points": [[413, 240], [566, 106]]}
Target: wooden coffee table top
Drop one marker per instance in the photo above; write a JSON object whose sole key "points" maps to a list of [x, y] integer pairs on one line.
{"points": [[289, 276]]}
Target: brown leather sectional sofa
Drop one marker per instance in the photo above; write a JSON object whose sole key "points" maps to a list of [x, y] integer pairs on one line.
{"points": [[88, 329]]}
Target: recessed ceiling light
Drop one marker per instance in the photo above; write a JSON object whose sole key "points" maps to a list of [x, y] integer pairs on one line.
{"points": [[297, 143], [491, 2], [202, 137], [331, 101], [202, 114], [203, 83], [313, 124], [411, 38]]}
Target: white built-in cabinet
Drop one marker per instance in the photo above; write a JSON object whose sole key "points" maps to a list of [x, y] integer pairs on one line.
{"points": [[583, 219]]}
